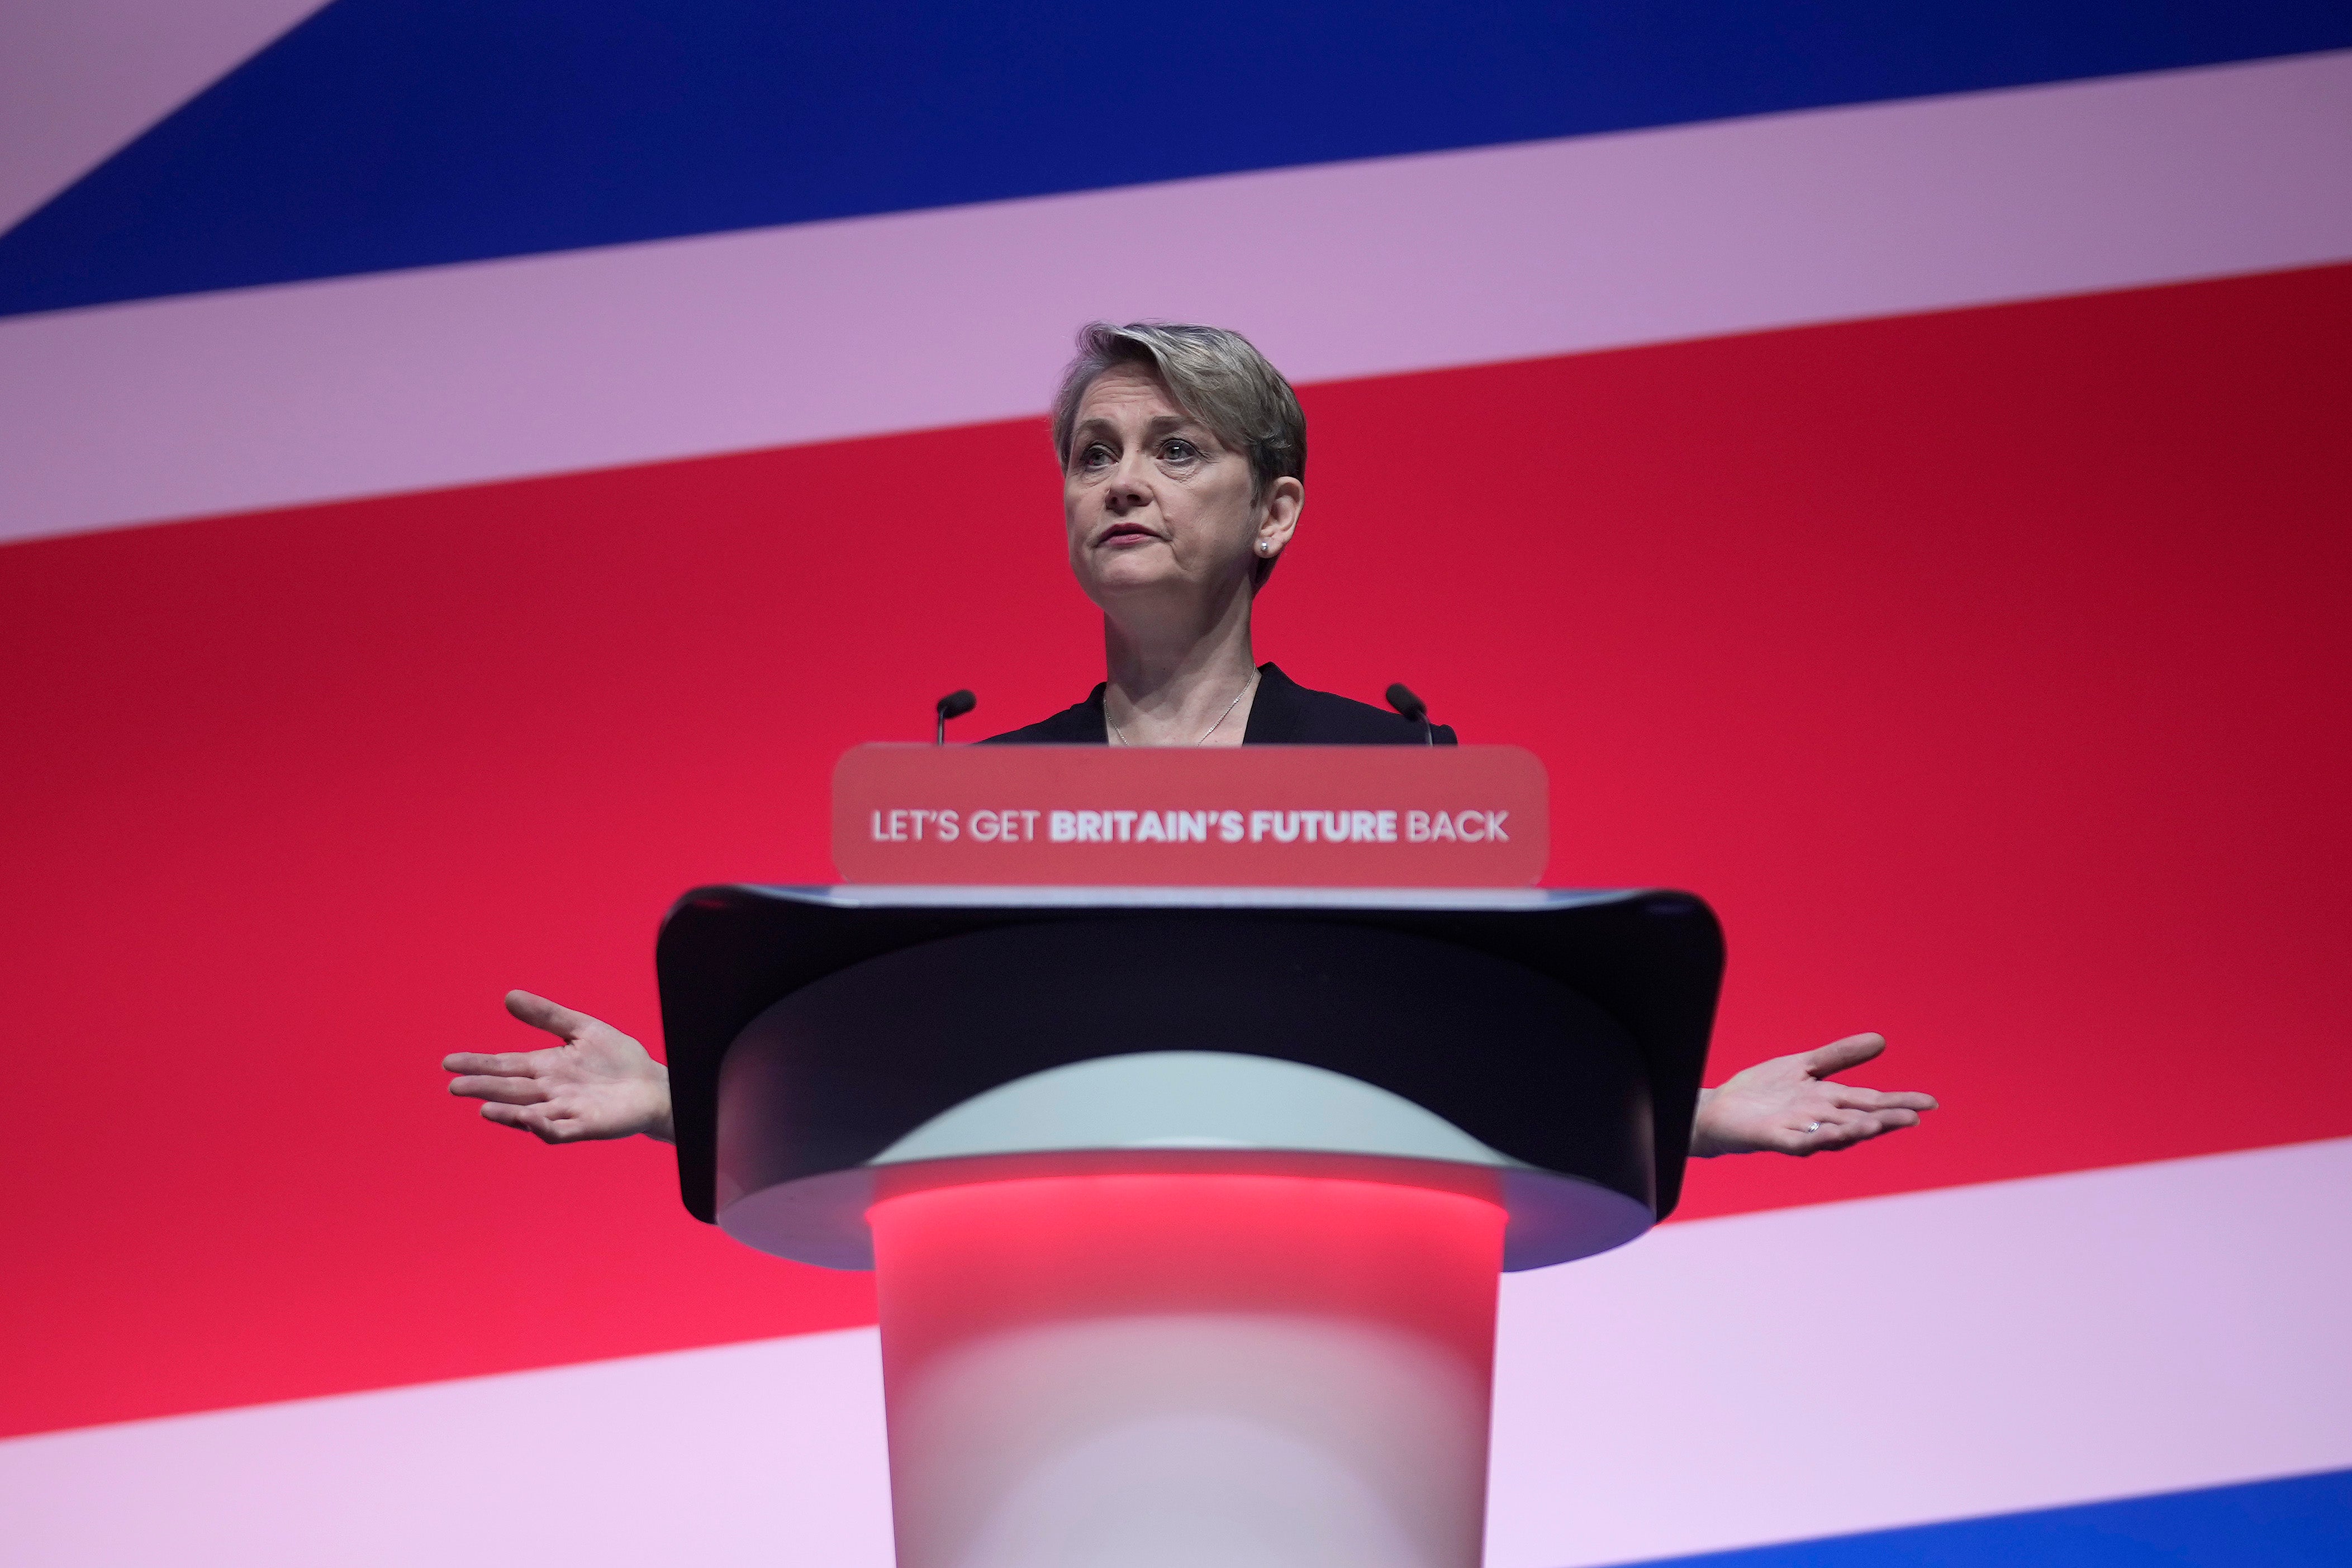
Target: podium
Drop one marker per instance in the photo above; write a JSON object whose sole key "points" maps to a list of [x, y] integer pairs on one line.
{"points": [[1187, 1205]]}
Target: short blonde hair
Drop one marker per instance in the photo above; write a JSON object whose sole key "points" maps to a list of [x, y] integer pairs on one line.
{"points": [[1215, 375]]}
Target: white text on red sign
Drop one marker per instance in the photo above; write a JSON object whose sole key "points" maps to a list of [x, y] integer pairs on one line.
{"points": [[917, 824]]}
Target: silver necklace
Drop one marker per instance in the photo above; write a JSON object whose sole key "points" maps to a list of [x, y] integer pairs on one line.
{"points": [[1212, 729]]}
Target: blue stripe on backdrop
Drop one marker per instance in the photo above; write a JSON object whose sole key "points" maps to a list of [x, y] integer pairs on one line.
{"points": [[387, 134], [2304, 1522]]}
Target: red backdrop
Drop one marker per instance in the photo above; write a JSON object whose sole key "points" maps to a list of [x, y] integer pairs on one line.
{"points": [[1987, 671]]}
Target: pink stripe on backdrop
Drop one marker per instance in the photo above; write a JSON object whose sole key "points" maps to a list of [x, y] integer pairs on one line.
{"points": [[760, 1453], [402, 382], [1977, 1350], [1775, 1376], [81, 78]]}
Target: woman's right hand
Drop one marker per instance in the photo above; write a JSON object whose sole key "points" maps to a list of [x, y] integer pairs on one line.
{"points": [[598, 1083]]}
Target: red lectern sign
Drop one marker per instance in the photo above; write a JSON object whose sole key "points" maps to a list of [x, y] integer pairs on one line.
{"points": [[1263, 816]]}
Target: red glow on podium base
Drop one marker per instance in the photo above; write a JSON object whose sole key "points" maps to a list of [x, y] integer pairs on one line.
{"points": [[1142, 1371]]}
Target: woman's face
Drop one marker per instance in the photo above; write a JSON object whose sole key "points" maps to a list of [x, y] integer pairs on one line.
{"points": [[1157, 506]]}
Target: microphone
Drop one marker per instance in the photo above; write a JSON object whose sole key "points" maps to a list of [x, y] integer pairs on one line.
{"points": [[1414, 709], [954, 705]]}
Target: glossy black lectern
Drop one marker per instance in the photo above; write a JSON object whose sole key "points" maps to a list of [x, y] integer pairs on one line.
{"points": [[1567, 1031], [1187, 1204]]}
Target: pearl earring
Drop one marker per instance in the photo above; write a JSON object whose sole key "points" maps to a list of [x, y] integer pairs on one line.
{"points": [[1265, 547]]}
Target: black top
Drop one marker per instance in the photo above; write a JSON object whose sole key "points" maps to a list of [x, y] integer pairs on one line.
{"points": [[1284, 713]]}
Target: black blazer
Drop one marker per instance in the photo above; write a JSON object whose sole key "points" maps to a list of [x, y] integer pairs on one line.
{"points": [[1284, 713]]}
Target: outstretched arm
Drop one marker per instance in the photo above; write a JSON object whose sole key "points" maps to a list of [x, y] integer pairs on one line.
{"points": [[1789, 1106], [598, 1083]]}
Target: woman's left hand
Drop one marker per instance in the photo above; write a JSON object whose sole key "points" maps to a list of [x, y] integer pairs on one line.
{"points": [[1789, 1106]]}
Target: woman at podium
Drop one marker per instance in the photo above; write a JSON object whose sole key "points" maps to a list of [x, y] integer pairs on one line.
{"points": [[1183, 457]]}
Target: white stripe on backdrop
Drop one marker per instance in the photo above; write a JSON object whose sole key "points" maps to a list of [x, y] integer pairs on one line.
{"points": [[398, 382], [1775, 1376]]}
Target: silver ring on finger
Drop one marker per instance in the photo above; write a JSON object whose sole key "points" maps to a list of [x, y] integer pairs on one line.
{"points": [[1812, 1127]]}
